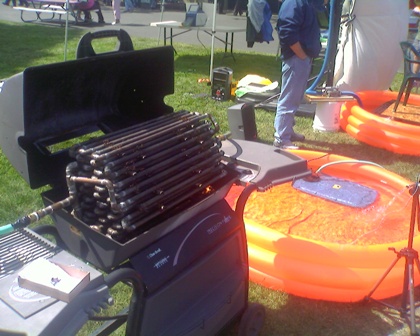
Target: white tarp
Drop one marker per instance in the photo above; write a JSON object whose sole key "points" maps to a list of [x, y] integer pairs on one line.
{"points": [[369, 53]]}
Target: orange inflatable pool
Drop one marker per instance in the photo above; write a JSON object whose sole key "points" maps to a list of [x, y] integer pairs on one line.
{"points": [[315, 248], [375, 130]]}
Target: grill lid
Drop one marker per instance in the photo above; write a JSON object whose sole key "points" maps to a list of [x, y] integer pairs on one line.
{"points": [[50, 104]]}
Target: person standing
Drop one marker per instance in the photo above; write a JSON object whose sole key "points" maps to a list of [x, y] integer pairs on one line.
{"points": [[7, 2], [21, 3], [299, 35], [416, 41], [240, 6], [116, 7], [129, 7]]}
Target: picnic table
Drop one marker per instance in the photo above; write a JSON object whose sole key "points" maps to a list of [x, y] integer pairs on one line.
{"points": [[172, 25], [52, 10]]}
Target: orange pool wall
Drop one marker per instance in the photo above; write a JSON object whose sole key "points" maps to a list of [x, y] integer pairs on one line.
{"points": [[327, 271], [377, 131]]}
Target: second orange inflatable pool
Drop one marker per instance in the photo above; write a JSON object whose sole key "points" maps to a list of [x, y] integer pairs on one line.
{"points": [[378, 131]]}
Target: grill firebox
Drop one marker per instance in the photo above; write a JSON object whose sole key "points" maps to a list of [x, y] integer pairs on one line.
{"points": [[131, 187], [143, 172]]}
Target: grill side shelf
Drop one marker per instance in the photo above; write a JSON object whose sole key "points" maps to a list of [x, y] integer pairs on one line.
{"points": [[21, 247]]}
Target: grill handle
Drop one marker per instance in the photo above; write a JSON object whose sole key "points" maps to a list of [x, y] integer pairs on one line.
{"points": [[85, 49]]}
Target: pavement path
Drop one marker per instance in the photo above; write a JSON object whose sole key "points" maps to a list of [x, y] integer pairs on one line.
{"points": [[137, 24]]}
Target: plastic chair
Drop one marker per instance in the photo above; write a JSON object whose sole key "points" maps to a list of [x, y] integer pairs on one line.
{"points": [[85, 49], [411, 74]]}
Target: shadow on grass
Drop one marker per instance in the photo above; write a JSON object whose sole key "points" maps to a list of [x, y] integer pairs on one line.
{"points": [[25, 45], [242, 64], [359, 150], [306, 317], [300, 316]]}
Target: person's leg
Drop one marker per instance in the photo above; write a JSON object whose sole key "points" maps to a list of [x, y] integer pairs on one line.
{"points": [[116, 5], [416, 45], [295, 73], [237, 8], [131, 6], [88, 16], [128, 6], [99, 12], [221, 4]]}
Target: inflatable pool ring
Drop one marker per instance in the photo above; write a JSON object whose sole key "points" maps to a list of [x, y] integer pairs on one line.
{"points": [[327, 270], [372, 129]]}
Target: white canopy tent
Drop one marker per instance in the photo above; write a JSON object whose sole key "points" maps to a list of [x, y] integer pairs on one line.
{"points": [[369, 53], [66, 30], [213, 26]]}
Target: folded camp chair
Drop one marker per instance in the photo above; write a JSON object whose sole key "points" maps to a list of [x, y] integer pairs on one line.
{"points": [[411, 71]]}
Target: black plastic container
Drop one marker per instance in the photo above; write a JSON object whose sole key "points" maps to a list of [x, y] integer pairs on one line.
{"points": [[221, 84]]}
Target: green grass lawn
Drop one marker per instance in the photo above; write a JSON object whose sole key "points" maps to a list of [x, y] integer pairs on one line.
{"points": [[24, 45]]}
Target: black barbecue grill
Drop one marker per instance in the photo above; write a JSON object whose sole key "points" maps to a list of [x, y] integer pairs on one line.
{"points": [[143, 187]]}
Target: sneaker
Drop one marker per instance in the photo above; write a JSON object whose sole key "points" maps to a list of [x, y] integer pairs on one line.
{"points": [[286, 144], [297, 137], [116, 22]]}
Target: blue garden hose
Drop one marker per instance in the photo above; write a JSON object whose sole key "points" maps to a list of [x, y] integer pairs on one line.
{"points": [[35, 216], [333, 33]]}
